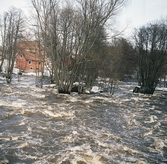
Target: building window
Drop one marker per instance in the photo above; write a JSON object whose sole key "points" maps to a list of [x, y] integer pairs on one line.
{"points": [[39, 63], [29, 62], [31, 68], [21, 56]]}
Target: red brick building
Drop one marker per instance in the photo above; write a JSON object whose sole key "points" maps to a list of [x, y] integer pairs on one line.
{"points": [[30, 56]]}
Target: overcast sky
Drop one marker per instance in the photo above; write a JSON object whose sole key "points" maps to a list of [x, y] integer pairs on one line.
{"points": [[141, 12], [135, 14]]}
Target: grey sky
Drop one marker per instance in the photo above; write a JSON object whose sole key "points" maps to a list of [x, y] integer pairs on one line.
{"points": [[135, 14], [141, 12]]}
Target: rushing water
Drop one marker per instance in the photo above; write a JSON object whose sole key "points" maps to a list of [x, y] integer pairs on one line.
{"points": [[40, 126]]}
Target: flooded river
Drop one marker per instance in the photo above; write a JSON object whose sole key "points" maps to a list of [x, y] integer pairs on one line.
{"points": [[40, 126]]}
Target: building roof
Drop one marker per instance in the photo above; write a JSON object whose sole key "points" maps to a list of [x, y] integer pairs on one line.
{"points": [[31, 55], [27, 44], [31, 50]]}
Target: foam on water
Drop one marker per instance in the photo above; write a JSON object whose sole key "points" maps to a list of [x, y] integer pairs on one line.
{"points": [[158, 144], [60, 114], [148, 132], [12, 104], [82, 154]]}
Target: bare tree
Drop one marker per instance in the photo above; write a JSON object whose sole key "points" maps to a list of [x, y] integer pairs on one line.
{"points": [[45, 29], [3, 38], [71, 32], [12, 28], [151, 45]]}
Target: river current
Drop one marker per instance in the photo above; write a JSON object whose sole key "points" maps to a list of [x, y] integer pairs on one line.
{"points": [[40, 126]]}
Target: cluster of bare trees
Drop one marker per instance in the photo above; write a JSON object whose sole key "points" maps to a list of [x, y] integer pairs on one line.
{"points": [[74, 38], [11, 26], [151, 46], [74, 30]]}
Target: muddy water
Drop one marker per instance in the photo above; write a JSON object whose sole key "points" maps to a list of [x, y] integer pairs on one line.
{"points": [[42, 127]]}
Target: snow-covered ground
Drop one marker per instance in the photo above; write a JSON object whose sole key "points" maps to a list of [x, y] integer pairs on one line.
{"points": [[41, 126]]}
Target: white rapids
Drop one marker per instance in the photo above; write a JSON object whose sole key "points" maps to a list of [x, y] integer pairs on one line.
{"points": [[41, 126]]}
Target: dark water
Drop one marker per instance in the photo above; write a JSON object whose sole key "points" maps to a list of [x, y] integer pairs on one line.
{"points": [[42, 127]]}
